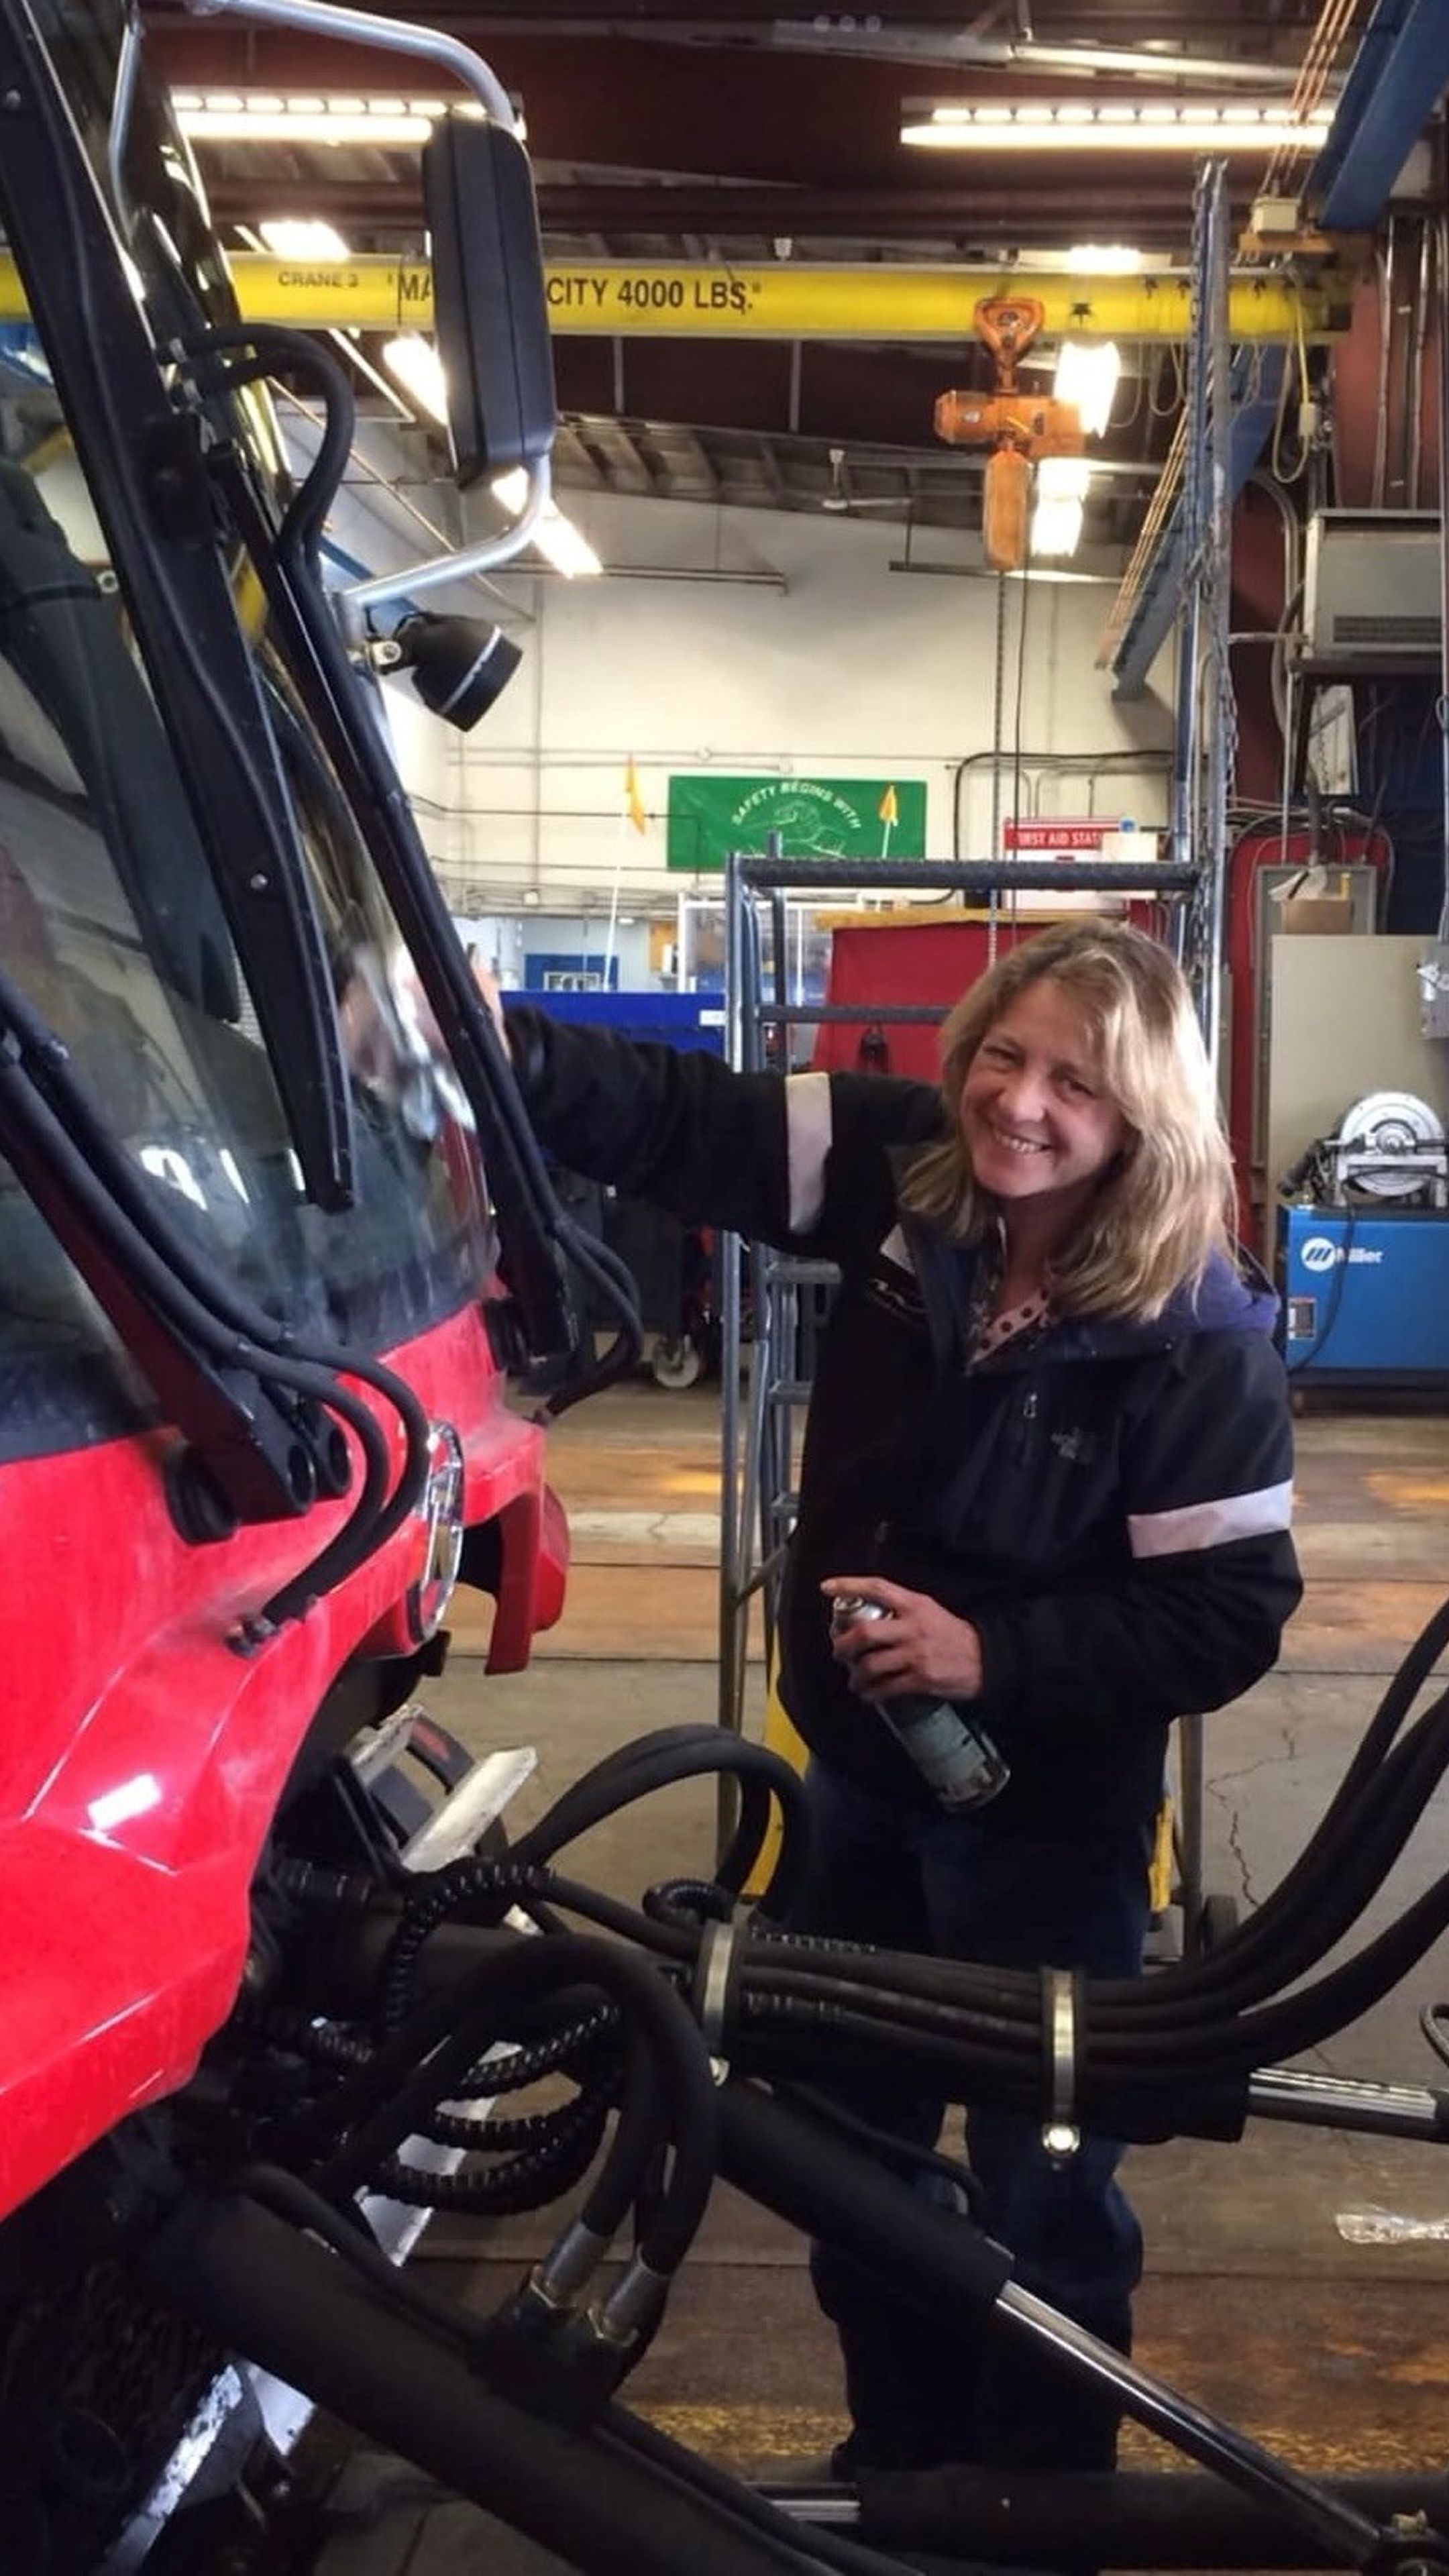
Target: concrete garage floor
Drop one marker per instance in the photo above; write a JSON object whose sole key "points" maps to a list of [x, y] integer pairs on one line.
{"points": [[1335, 2352]]}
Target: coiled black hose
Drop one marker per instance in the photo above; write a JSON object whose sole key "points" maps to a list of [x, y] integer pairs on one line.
{"points": [[537, 2174], [1174, 2050], [652, 1762], [418, 2066]]}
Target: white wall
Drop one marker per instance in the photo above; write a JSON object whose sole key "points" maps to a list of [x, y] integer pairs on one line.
{"points": [[838, 666]]}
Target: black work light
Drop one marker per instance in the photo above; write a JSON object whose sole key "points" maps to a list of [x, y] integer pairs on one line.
{"points": [[458, 665]]}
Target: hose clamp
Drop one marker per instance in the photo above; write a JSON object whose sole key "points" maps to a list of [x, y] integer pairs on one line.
{"points": [[715, 1977], [1061, 2136]]}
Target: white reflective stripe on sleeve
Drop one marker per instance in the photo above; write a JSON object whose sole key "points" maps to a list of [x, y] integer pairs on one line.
{"points": [[807, 1132], [895, 1248], [1198, 1525]]}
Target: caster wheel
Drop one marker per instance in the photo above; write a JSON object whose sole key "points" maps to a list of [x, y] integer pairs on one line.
{"points": [[676, 1364]]}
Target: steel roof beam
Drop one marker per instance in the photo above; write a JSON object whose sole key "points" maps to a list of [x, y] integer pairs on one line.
{"points": [[1159, 601], [1398, 76], [970, 213]]}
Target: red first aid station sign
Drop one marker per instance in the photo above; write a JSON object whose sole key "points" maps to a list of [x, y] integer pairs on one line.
{"points": [[1066, 836]]}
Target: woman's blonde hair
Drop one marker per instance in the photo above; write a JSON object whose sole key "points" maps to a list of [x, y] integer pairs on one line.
{"points": [[1163, 1205]]}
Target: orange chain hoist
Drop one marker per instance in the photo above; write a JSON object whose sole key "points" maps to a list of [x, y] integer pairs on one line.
{"points": [[1018, 427]]}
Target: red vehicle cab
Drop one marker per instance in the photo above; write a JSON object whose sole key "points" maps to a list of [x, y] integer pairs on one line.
{"points": [[273, 1232]]}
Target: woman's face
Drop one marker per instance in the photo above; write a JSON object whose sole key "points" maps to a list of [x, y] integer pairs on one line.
{"points": [[1035, 1115]]}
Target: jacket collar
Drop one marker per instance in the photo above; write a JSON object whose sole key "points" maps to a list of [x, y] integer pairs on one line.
{"points": [[1232, 1296]]}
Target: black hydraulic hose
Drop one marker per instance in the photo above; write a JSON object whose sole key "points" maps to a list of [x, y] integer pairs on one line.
{"points": [[527, 2180], [1152, 2066], [603, 1270], [1399, 1697], [219, 1316], [639, 2131], [415, 2070], [33, 1119], [1344, 1865], [480, 2135], [276, 348], [679, 1753], [294, 2029], [1348, 1860], [1345, 1851], [1315, 2012], [345, 2231], [1124, 2518], [253, 2279], [442, 1895], [829, 2548], [561, 2052], [901, 2152], [555, 1826]]}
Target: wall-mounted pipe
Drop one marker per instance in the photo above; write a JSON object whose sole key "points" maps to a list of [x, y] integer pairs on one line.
{"points": [[1416, 367], [1384, 270]]}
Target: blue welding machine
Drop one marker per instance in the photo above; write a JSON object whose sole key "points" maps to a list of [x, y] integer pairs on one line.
{"points": [[1366, 1294]]}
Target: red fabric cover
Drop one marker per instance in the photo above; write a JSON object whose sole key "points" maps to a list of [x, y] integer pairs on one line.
{"points": [[878, 963]]}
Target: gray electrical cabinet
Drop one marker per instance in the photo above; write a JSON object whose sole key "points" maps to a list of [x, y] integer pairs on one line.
{"points": [[1371, 594]]}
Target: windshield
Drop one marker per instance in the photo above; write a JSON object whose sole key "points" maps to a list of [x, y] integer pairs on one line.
{"points": [[110, 919]]}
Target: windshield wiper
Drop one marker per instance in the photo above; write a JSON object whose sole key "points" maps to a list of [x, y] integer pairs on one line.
{"points": [[147, 475], [544, 1253]]}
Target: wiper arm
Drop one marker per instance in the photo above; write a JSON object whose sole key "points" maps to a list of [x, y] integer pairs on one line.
{"points": [[539, 1254], [148, 479]]}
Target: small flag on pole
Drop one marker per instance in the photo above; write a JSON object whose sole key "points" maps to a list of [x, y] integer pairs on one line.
{"points": [[634, 805], [888, 813]]}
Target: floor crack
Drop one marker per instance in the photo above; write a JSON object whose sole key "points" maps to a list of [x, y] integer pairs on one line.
{"points": [[1234, 1816]]}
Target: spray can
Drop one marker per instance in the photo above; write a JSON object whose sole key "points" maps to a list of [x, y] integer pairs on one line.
{"points": [[956, 1758]]}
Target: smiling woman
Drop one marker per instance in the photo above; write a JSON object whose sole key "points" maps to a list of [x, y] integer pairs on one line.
{"points": [[1075, 1078], [1038, 1121], [1048, 1458]]}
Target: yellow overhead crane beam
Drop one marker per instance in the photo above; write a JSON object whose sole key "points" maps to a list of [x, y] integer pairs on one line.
{"points": [[784, 302]]}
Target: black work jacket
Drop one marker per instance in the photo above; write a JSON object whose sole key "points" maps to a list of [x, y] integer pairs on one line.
{"points": [[1107, 1502]]}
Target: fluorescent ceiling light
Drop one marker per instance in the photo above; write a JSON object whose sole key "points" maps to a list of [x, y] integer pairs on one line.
{"points": [[414, 364], [556, 537], [1087, 373], [303, 238], [1115, 126], [1104, 259], [1056, 519], [417, 367], [567, 548], [260, 116]]}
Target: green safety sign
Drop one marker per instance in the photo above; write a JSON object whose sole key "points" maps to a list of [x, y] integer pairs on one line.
{"points": [[816, 818]]}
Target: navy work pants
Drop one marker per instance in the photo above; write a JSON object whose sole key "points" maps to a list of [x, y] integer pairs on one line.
{"points": [[924, 2389]]}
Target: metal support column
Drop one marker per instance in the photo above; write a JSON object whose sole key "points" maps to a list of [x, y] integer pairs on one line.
{"points": [[1206, 721]]}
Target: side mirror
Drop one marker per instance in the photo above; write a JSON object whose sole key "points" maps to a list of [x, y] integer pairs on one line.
{"points": [[490, 311]]}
